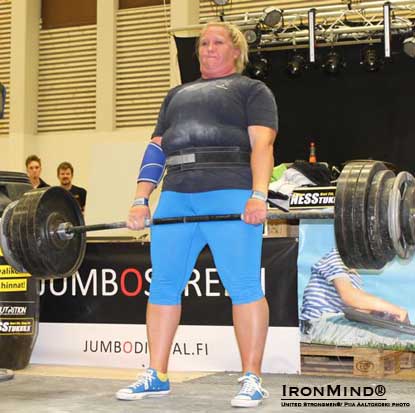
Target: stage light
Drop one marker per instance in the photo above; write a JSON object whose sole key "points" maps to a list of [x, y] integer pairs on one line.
{"points": [[296, 65], [409, 46], [253, 36], [371, 60], [271, 16], [387, 29], [312, 35], [333, 63], [221, 2], [259, 68]]}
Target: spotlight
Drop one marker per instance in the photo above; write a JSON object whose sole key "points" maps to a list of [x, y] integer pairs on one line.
{"points": [[370, 59], [271, 16], [296, 65], [333, 64], [409, 46], [253, 36], [259, 68], [221, 2]]}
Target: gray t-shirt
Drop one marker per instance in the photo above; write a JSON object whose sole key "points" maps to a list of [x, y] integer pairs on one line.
{"points": [[213, 112]]}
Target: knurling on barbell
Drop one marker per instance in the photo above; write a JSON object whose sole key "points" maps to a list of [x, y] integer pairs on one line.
{"points": [[44, 232]]}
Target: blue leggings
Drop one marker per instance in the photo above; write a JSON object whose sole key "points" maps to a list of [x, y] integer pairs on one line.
{"points": [[235, 245]]}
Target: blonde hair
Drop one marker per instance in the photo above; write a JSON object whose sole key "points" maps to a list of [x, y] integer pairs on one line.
{"points": [[238, 41]]}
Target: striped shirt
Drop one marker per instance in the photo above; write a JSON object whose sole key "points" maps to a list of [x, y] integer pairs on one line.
{"points": [[320, 295]]}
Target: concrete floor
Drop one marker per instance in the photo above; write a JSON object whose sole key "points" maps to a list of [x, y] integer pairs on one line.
{"points": [[79, 389]]}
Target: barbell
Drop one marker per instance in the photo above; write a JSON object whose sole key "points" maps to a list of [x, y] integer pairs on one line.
{"points": [[43, 233]]}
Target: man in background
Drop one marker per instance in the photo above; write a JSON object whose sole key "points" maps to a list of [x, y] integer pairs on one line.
{"points": [[33, 170], [65, 176]]}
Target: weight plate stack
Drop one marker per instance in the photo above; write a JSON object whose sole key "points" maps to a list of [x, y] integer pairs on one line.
{"points": [[33, 236]]}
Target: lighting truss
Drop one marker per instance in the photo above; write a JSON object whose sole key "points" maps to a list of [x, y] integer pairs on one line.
{"points": [[334, 24], [387, 28], [311, 35]]}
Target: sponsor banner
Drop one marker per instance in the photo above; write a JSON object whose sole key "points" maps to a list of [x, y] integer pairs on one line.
{"points": [[17, 326], [6, 271], [99, 313], [113, 282], [206, 348], [313, 197], [19, 315], [13, 309], [13, 285]]}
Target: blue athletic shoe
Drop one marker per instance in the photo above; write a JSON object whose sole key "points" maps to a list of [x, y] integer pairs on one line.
{"points": [[148, 385], [251, 393]]}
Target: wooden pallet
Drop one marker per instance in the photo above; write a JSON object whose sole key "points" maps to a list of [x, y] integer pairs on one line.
{"points": [[353, 361]]}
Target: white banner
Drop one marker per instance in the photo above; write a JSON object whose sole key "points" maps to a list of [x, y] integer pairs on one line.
{"points": [[195, 348]]}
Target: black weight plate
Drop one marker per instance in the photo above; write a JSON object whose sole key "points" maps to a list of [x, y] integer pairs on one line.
{"points": [[342, 211], [406, 219], [61, 258], [377, 218], [28, 242], [19, 234], [14, 177], [5, 244], [15, 233], [31, 246], [362, 252]]}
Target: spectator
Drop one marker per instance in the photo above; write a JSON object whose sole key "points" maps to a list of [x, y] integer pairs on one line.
{"points": [[33, 170], [65, 176]]}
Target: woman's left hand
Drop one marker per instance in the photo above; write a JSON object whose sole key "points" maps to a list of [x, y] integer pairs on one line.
{"points": [[255, 211]]}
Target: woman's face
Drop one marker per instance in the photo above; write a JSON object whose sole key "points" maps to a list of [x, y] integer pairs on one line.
{"points": [[217, 53]]}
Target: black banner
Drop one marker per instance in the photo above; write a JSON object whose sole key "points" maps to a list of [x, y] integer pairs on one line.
{"points": [[113, 283]]}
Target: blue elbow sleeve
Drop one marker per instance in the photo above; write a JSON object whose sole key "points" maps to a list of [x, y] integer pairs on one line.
{"points": [[153, 164]]}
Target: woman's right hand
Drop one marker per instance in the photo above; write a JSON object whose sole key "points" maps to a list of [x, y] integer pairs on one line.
{"points": [[137, 217]]}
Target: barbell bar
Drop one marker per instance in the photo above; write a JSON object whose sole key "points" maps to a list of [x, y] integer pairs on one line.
{"points": [[66, 230], [43, 233]]}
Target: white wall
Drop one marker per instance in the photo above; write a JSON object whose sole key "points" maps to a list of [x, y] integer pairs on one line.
{"points": [[5, 164]]}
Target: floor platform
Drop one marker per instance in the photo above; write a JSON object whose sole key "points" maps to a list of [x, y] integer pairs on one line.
{"points": [[47, 389]]}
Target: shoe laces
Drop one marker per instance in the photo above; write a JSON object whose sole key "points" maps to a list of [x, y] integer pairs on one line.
{"points": [[251, 384], [144, 380]]}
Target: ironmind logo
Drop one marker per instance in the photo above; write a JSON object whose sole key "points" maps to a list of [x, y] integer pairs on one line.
{"points": [[131, 282]]}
